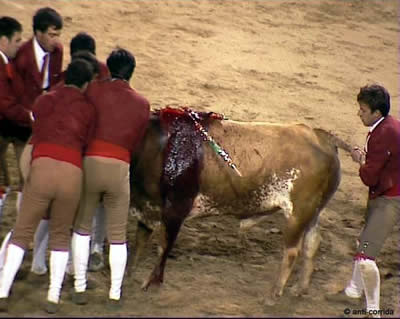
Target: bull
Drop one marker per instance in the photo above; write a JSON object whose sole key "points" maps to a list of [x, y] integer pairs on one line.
{"points": [[292, 169]]}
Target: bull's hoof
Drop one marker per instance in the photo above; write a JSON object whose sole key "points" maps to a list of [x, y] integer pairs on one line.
{"points": [[298, 290], [271, 299], [269, 302], [148, 283], [144, 286]]}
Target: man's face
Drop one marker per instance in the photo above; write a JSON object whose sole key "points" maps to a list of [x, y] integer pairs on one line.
{"points": [[367, 117], [49, 39], [12, 45]]}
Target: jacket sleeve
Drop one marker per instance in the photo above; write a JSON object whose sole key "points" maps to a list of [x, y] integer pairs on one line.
{"points": [[10, 108], [377, 156]]}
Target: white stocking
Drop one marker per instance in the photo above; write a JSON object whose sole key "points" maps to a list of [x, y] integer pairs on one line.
{"points": [[355, 287], [15, 255], [80, 258], [58, 264], [117, 257], [372, 283]]}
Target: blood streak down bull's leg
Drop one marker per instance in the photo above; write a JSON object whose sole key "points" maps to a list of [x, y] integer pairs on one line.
{"points": [[179, 187]]}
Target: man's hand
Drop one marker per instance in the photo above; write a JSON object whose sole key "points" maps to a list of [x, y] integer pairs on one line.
{"points": [[358, 155]]}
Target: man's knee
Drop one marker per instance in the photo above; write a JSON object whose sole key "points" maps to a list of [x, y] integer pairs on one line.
{"points": [[116, 235]]}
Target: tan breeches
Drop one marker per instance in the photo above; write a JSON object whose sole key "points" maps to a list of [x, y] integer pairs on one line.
{"points": [[53, 186], [107, 179]]}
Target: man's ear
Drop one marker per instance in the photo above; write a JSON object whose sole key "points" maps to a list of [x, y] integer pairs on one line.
{"points": [[4, 40], [378, 113]]}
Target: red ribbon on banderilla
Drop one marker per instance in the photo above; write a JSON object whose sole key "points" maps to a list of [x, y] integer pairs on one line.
{"points": [[214, 145]]}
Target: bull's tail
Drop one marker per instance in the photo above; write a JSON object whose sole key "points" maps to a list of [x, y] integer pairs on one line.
{"points": [[332, 139]]}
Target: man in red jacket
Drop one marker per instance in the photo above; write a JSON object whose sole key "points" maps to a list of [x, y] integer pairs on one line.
{"points": [[38, 63], [122, 117], [11, 108], [379, 170], [64, 121]]}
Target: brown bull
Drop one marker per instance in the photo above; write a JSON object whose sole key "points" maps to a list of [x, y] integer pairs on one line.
{"points": [[288, 168]]}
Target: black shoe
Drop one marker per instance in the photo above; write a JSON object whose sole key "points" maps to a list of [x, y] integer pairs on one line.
{"points": [[79, 298], [114, 305], [3, 304], [51, 307], [96, 262]]}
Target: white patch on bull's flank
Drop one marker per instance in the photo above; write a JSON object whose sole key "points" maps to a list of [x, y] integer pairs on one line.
{"points": [[277, 192]]}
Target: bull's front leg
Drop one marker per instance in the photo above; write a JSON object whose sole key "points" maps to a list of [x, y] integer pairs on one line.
{"points": [[173, 215], [157, 275]]}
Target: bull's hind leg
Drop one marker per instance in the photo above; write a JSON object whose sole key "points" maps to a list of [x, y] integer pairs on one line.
{"points": [[293, 238], [143, 234], [312, 239], [174, 213]]}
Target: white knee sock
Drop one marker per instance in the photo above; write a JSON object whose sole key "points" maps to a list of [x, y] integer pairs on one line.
{"points": [[3, 250], [80, 258], [98, 231], [58, 264], [371, 282], [15, 255], [40, 241], [70, 265], [355, 287], [117, 258]]}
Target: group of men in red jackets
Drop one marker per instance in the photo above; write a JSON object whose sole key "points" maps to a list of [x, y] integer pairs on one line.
{"points": [[71, 155]]}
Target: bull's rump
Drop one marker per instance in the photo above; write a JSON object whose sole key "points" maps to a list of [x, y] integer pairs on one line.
{"points": [[287, 155]]}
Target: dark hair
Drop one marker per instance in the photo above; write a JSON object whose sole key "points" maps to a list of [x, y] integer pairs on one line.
{"points": [[45, 18], [82, 41], [78, 73], [121, 64], [89, 57], [376, 97], [9, 26]]}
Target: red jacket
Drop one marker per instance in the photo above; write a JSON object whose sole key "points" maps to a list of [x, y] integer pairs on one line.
{"points": [[26, 66], [381, 171], [10, 90], [64, 121], [122, 118]]}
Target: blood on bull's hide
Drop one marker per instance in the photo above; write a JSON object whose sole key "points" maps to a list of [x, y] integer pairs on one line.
{"points": [[289, 168]]}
